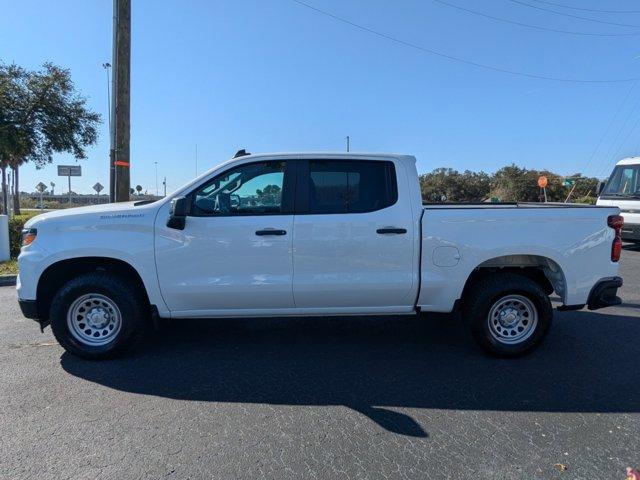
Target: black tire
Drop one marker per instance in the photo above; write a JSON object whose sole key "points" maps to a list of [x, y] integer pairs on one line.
{"points": [[507, 290], [116, 289]]}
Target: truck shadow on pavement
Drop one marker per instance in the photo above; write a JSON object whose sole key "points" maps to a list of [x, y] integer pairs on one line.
{"points": [[378, 366]]}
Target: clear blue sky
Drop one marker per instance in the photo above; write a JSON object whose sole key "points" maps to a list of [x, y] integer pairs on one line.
{"points": [[272, 75]]}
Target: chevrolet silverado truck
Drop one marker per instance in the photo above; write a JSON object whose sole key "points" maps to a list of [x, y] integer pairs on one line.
{"points": [[313, 234]]}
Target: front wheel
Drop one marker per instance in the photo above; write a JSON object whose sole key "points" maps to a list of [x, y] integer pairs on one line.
{"points": [[508, 314], [96, 315]]}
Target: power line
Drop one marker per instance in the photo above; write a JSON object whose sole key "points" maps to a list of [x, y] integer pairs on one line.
{"points": [[608, 157], [574, 16], [457, 59], [608, 161], [626, 139], [602, 137], [586, 9], [611, 122], [537, 27]]}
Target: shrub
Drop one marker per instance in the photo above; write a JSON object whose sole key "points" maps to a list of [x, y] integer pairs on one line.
{"points": [[586, 199], [16, 224]]}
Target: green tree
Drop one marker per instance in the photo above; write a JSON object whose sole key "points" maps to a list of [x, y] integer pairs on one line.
{"points": [[41, 113], [513, 184], [584, 189], [448, 185], [516, 184], [269, 194], [138, 189]]}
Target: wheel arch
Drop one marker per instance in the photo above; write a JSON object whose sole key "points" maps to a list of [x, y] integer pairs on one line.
{"points": [[545, 271], [60, 272]]}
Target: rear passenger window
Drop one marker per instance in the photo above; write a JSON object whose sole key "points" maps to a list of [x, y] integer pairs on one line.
{"points": [[351, 186]]}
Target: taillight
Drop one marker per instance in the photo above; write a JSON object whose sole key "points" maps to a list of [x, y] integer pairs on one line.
{"points": [[616, 222]]}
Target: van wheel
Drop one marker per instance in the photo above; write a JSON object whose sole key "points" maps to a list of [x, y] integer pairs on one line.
{"points": [[508, 314], [97, 315]]}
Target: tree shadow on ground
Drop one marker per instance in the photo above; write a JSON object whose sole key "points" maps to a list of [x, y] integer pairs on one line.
{"points": [[589, 363]]}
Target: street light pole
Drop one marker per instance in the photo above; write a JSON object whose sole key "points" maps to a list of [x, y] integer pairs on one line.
{"points": [[106, 67], [156, 164], [348, 142], [112, 137]]}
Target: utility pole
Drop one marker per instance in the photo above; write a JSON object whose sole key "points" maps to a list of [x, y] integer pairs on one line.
{"points": [[348, 142], [120, 181]]}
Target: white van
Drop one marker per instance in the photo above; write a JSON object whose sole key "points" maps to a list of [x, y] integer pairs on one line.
{"points": [[622, 190]]}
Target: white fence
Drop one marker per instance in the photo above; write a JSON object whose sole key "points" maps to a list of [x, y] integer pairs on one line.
{"points": [[4, 238]]}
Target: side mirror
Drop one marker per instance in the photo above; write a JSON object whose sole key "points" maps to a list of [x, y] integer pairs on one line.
{"points": [[600, 187], [178, 213]]}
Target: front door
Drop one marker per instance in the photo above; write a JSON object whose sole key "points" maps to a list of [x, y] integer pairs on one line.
{"points": [[234, 254]]}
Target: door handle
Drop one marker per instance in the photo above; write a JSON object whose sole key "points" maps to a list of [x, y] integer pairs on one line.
{"points": [[382, 231], [270, 231]]}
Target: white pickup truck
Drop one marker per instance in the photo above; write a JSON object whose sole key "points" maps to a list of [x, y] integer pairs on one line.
{"points": [[313, 234]]}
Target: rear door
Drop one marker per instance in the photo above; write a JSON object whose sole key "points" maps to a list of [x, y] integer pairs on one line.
{"points": [[353, 237]]}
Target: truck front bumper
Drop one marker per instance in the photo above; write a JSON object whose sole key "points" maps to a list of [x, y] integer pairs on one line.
{"points": [[29, 308], [604, 294]]}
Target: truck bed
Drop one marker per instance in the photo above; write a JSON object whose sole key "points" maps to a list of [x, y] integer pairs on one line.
{"points": [[571, 242]]}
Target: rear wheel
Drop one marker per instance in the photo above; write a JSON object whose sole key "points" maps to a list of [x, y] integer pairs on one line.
{"points": [[508, 314], [97, 315]]}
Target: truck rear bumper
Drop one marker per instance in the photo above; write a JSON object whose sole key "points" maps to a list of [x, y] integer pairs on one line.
{"points": [[604, 294], [631, 231]]}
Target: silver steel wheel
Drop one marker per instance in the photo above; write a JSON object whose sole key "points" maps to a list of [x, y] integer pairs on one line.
{"points": [[512, 319], [94, 319]]}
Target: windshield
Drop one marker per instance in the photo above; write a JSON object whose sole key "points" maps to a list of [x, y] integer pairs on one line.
{"points": [[623, 182]]}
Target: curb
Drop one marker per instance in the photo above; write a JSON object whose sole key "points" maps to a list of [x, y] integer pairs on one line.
{"points": [[7, 280]]}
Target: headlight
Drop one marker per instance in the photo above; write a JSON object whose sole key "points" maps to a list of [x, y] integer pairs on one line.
{"points": [[28, 236]]}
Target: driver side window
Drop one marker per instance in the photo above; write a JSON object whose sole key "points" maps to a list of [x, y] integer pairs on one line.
{"points": [[251, 189]]}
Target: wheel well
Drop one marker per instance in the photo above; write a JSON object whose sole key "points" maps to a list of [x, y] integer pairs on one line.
{"points": [[59, 273], [542, 270]]}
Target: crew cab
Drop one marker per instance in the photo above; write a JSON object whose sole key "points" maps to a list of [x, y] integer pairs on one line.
{"points": [[313, 234]]}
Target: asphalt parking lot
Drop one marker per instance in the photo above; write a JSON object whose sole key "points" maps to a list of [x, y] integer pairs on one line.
{"points": [[326, 398]]}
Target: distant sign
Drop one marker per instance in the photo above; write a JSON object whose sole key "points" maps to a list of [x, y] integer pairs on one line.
{"points": [[41, 187], [69, 171], [98, 187], [543, 182], [569, 182]]}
